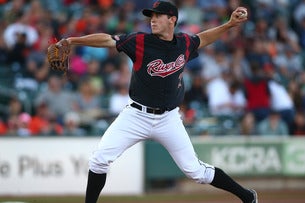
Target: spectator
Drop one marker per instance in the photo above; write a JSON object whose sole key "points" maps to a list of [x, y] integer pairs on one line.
{"points": [[281, 102], [54, 128], [20, 28], [122, 75], [295, 93], [301, 82], [210, 67], [12, 10], [37, 67], [93, 73], [18, 52], [239, 66], [43, 122], [213, 9], [190, 13], [264, 9], [87, 103], [248, 125], [225, 98], [35, 71], [238, 99], [257, 93], [218, 94], [258, 51], [119, 99], [3, 50], [84, 22], [58, 100], [299, 11], [196, 93], [119, 23], [72, 125], [15, 108], [23, 125], [289, 60], [109, 69], [298, 126], [301, 32], [284, 35], [3, 128], [36, 12], [261, 29], [272, 125], [78, 64]]}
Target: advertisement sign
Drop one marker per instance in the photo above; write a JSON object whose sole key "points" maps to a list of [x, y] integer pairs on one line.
{"points": [[294, 156], [60, 166]]}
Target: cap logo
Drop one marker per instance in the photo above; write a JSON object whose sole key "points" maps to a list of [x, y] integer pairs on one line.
{"points": [[156, 4]]}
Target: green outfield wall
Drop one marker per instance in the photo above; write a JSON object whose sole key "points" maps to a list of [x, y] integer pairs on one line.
{"points": [[239, 156]]}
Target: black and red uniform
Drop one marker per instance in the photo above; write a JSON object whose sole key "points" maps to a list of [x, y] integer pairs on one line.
{"points": [[158, 66], [157, 89]]}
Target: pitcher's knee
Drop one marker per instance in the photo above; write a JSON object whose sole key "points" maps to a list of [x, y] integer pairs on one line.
{"points": [[99, 165], [204, 175]]}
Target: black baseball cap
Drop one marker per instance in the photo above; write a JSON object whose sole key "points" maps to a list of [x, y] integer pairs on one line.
{"points": [[163, 7]]}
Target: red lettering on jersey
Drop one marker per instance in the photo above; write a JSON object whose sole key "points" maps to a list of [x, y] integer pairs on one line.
{"points": [[159, 68]]}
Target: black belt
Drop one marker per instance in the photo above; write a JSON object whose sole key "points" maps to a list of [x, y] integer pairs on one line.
{"points": [[149, 109]]}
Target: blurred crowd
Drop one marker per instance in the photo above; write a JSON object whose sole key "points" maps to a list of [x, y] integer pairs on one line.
{"points": [[250, 82]]}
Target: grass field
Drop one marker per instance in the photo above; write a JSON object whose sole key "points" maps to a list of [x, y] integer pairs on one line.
{"points": [[279, 196]]}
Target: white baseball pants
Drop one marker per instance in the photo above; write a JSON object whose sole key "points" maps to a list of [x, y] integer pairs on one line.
{"points": [[133, 125]]}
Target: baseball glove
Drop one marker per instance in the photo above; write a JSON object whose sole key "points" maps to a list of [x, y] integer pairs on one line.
{"points": [[58, 56]]}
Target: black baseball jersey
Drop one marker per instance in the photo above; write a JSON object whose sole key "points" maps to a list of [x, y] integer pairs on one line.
{"points": [[156, 79]]}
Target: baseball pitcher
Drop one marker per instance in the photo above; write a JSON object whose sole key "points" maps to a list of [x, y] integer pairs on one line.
{"points": [[156, 90]]}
